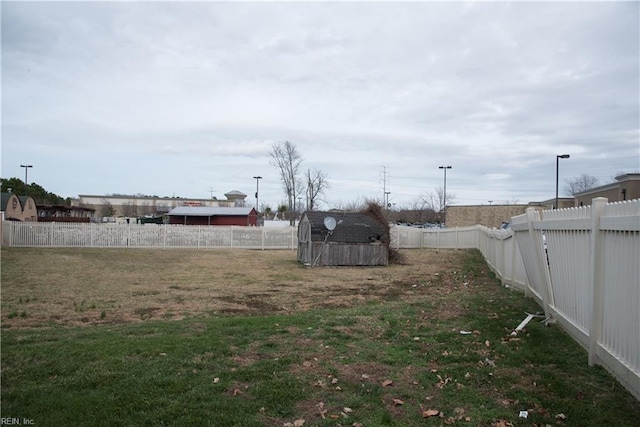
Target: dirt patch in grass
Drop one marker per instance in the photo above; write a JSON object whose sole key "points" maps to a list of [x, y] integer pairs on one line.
{"points": [[77, 287]]}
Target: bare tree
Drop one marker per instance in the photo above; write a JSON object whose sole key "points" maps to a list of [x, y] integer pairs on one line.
{"points": [[582, 183], [316, 184], [106, 209], [436, 202], [352, 206], [418, 211], [129, 209], [286, 157]]}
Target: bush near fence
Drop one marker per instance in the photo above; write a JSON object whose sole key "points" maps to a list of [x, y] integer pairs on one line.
{"points": [[581, 265]]}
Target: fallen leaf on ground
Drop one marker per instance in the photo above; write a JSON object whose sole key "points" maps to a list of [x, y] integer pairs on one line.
{"points": [[427, 413], [298, 423], [561, 417], [322, 410], [387, 383], [398, 402]]}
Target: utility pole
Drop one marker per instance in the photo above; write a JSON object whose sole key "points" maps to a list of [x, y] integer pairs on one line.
{"points": [[257, 178], [385, 193], [444, 201], [558, 157], [26, 168]]}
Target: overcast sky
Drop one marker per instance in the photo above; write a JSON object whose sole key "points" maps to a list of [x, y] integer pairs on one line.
{"points": [[186, 99]]}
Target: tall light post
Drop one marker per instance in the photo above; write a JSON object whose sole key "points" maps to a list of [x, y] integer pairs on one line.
{"points": [[26, 168], [558, 157], [257, 178], [444, 198]]}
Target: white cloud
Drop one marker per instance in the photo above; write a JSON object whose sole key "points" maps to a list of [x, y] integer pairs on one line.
{"points": [[494, 89]]}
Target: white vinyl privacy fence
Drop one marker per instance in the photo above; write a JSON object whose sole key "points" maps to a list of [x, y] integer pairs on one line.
{"points": [[581, 265]]}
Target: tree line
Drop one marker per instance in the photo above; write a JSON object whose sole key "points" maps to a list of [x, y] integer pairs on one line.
{"points": [[33, 190]]}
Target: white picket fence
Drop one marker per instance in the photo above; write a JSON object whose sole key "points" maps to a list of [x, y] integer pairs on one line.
{"points": [[34, 234], [581, 265], [50, 234]]}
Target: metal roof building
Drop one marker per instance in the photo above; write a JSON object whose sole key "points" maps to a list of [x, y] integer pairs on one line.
{"points": [[205, 215]]}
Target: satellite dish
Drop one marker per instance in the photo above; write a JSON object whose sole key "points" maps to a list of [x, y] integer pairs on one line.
{"points": [[330, 223]]}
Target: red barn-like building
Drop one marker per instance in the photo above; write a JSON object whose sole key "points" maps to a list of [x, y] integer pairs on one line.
{"points": [[204, 215]]}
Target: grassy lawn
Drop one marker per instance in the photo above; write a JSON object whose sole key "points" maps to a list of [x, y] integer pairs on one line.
{"points": [[248, 338]]}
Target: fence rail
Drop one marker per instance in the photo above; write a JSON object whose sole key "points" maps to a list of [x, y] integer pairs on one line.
{"points": [[581, 265]]}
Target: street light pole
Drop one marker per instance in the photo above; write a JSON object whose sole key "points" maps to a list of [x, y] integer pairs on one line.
{"points": [[257, 178], [444, 201], [26, 168], [558, 157]]}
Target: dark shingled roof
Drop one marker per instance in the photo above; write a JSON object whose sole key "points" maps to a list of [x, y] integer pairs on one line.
{"points": [[350, 228]]}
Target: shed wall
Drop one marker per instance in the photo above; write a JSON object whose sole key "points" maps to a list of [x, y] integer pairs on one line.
{"points": [[357, 254]]}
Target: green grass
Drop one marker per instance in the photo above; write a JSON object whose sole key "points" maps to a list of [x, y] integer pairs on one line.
{"points": [[272, 370]]}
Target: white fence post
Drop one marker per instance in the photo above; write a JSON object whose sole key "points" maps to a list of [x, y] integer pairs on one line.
{"points": [[294, 233], [596, 276], [541, 263], [164, 237]]}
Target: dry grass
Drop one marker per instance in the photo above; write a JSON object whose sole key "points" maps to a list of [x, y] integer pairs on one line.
{"points": [[88, 286]]}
